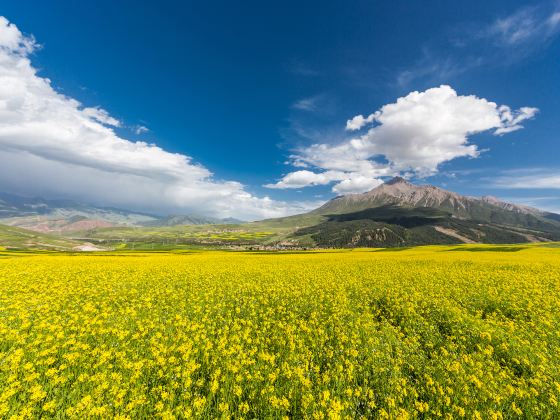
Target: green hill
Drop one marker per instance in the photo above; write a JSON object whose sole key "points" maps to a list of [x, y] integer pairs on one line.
{"points": [[390, 226], [399, 213], [17, 238]]}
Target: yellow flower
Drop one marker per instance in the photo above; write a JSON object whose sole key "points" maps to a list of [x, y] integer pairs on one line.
{"points": [[49, 406]]}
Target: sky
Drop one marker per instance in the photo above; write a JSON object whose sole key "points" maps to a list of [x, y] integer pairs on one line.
{"points": [[264, 109]]}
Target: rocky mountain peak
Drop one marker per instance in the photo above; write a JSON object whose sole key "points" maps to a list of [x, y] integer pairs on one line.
{"points": [[397, 180], [490, 199]]}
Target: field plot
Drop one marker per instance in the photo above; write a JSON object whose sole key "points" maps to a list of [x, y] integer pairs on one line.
{"points": [[175, 237], [431, 332]]}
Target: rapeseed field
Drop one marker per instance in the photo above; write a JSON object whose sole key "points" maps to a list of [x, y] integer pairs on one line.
{"points": [[434, 332]]}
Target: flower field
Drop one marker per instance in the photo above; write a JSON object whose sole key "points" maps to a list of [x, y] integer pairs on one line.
{"points": [[433, 332]]}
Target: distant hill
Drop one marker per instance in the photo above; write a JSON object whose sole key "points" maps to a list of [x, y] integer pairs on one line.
{"points": [[189, 220], [399, 213], [62, 216], [17, 238]]}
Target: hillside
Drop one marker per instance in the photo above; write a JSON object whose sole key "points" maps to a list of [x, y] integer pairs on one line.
{"points": [[390, 226], [17, 238], [182, 220], [66, 216], [399, 213], [399, 192]]}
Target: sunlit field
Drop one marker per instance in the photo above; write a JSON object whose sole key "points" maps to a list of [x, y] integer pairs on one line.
{"points": [[433, 332]]}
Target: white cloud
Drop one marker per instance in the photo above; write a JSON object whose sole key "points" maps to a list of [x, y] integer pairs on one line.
{"points": [[433, 68], [553, 21], [306, 178], [140, 129], [415, 134], [102, 116], [356, 184], [515, 28], [502, 42], [12, 40], [359, 121], [347, 182], [511, 119], [306, 104], [51, 143], [529, 179], [525, 25]]}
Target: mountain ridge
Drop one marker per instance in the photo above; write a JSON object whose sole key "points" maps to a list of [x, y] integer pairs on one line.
{"points": [[399, 191], [396, 213], [61, 216], [399, 213]]}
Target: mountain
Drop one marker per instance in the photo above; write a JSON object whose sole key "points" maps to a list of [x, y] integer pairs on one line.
{"points": [[57, 216], [399, 213], [399, 192], [179, 220], [62, 216]]}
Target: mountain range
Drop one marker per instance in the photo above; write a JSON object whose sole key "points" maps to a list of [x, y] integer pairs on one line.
{"points": [[65, 216], [397, 213], [399, 192]]}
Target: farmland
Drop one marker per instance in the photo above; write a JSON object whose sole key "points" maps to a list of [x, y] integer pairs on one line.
{"points": [[467, 331], [174, 237]]}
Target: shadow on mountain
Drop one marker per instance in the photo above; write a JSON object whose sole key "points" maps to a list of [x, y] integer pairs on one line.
{"points": [[552, 216], [401, 227], [404, 217]]}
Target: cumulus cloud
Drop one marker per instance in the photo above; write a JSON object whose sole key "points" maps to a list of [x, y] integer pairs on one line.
{"points": [[360, 121], [356, 184], [102, 116], [306, 178], [12, 41], [52, 143], [414, 135]]}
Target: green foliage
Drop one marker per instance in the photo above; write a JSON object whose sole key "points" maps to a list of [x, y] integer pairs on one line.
{"points": [[12, 237], [390, 226]]}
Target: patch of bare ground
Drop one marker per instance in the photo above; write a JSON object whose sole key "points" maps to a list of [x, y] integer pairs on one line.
{"points": [[87, 247], [454, 234]]}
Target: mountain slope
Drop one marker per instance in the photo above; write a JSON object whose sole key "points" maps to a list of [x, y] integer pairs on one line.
{"points": [[57, 216], [62, 216], [398, 192], [399, 213], [391, 226], [402, 193], [16, 238]]}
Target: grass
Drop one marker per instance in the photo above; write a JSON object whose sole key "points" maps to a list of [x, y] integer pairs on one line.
{"points": [[13, 237]]}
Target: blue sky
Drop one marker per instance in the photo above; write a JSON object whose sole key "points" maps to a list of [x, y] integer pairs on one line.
{"points": [[236, 95]]}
